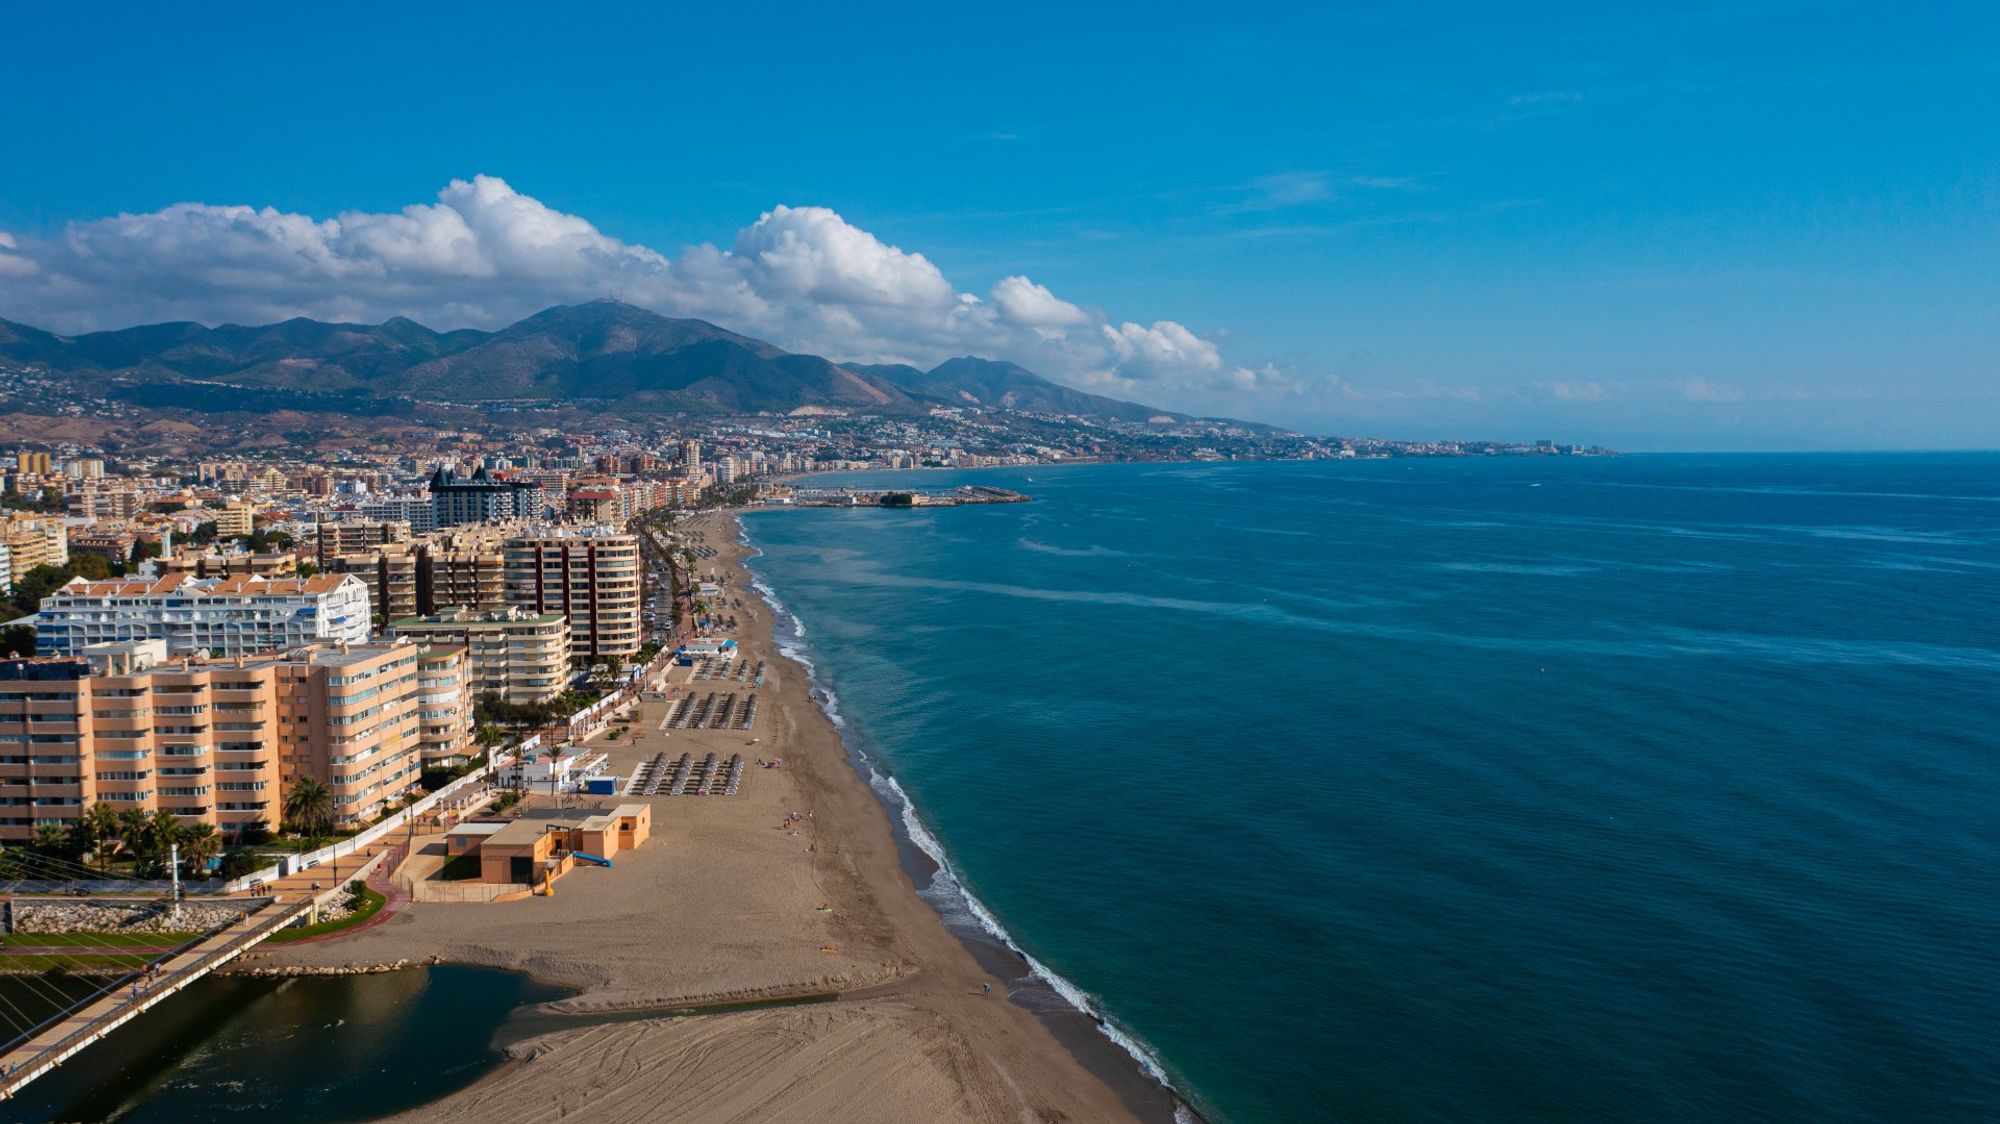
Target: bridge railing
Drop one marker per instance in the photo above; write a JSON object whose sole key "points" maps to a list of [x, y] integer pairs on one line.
{"points": [[52, 1055], [127, 887]]}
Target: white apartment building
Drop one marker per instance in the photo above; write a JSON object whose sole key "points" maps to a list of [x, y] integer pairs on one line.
{"points": [[418, 511], [240, 615]]}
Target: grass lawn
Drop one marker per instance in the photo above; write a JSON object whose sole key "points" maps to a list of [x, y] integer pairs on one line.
{"points": [[370, 902], [99, 940], [39, 964]]}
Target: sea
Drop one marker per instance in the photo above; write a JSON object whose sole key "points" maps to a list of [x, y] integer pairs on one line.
{"points": [[1640, 788]]}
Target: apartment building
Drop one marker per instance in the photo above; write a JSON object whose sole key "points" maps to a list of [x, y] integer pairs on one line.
{"points": [[445, 695], [480, 498], [589, 574], [463, 566], [353, 716], [239, 615], [221, 742], [519, 654], [416, 511], [101, 502], [234, 519], [224, 564], [33, 541], [331, 540]]}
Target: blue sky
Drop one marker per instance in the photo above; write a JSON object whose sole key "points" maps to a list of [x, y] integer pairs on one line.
{"points": [[1734, 227]]}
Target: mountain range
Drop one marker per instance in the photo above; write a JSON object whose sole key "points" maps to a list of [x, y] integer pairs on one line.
{"points": [[603, 352]]}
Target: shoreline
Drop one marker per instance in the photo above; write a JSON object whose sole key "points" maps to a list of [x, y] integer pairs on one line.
{"points": [[1091, 1037], [721, 908]]}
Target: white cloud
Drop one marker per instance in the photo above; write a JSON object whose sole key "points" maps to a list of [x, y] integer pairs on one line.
{"points": [[813, 254], [1579, 390], [1698, 389], [1023, 302], [1164, 350], [484, 255]]}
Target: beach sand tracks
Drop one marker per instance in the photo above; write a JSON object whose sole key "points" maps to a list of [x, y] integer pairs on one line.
{"points": [[871, 1061]]}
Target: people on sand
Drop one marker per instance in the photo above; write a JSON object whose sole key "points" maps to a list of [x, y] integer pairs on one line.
{"points": [[986, 989]]}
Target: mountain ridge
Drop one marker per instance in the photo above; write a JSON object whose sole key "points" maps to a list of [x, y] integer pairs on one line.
{"points": [[599, 351]]}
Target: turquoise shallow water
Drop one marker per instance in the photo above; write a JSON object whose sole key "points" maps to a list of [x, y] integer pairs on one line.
{"points": [[1654, 789]]}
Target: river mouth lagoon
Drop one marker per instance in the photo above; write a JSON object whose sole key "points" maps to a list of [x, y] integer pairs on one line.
{"points": [[310, 1049], [1647, 788]]}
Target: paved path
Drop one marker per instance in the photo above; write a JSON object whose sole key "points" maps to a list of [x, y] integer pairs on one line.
{"points": [[382, 881]]}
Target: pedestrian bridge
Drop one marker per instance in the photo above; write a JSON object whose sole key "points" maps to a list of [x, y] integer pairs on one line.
{"points": [[126, 997]]}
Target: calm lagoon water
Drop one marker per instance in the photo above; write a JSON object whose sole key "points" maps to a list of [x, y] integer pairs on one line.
{"points": [[1649, 789], [311, 1050]]}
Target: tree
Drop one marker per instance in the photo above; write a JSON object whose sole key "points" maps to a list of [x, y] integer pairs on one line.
{"points": [[199, 843], [17, 640], [51, 840], [31, 587], [156, 841], [132, 824], [239, 861], [309, 807], [101, 822], [96, 567]]}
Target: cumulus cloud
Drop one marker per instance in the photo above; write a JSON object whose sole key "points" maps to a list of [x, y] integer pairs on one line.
{"points": [[1023, 302], [485, 254]]}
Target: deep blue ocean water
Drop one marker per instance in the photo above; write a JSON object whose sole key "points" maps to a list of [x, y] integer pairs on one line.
{"points": [[1654, 788]]}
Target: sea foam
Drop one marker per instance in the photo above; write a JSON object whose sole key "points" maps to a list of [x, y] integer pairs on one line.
{"points": [[947, 893]]}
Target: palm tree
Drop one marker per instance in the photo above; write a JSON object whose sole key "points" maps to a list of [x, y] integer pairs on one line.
{"points": [[103, 824], [309, 806], [51, 840], [199, 843], [132, 830], [156, 840]]}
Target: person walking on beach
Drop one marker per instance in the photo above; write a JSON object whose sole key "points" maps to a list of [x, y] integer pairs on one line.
{"points": [[986, 988]]}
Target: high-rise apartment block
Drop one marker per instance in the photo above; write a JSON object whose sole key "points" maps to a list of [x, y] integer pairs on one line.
{"points": [[480, 498], [514, 652], [591, 575], [221, 742]]}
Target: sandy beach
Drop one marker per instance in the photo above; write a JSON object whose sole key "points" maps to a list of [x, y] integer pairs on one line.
{"points": [[728, 904]]}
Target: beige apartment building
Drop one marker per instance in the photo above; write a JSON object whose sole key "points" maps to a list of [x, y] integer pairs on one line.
{"points": [[514, 652], [222, 741], [234, 518], [34, 541], [464, 566], [445, 694], [331, 540], [589, 574], [269, 564]]}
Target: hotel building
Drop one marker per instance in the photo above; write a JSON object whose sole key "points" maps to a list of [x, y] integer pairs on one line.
{"points": [[222, 617]]}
